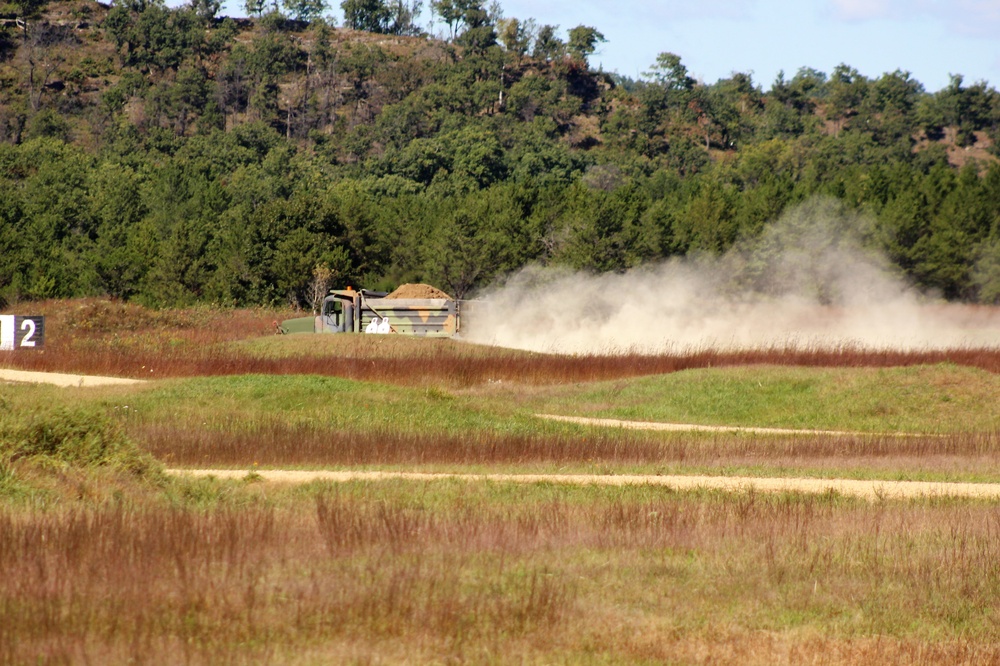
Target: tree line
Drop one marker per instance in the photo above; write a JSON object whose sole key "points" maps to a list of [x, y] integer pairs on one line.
{"points": [[171, 156]]}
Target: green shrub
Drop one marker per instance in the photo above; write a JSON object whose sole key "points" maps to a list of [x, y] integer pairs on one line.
{"points": [[77, 436]]}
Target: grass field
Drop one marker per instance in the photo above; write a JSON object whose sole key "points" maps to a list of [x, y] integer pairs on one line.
{"points": [[109, 559]]}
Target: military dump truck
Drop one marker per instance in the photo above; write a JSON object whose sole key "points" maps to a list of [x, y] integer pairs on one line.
{"points": [[413, 309]]}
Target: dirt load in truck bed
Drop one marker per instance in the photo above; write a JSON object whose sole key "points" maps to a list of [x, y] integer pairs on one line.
{"points": [[416, 290]]}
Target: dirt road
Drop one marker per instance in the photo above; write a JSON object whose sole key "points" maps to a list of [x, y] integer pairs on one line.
{"points": [[849, 487], [26, 377]]}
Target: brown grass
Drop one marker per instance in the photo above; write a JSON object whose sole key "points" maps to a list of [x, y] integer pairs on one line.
{"points": [[419, 574], [409, 572], [275, 443], [108, 338]]}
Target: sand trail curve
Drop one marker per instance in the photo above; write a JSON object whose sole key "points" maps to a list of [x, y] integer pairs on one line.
{"points": [[691, 427]]}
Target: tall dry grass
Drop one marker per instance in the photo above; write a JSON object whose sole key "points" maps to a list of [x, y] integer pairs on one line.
{"points": [[486, 574], [276, 443], [158, 585], [110, 338], [205, 359]]}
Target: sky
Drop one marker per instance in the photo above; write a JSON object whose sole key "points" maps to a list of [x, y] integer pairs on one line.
{"points": [[931, 39], [715, 38]]}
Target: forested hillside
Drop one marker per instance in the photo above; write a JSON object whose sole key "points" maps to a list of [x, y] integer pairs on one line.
{"points": [[170, 156]]}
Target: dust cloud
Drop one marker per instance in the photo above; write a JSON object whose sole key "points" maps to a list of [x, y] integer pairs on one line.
{"points": [[808, 281]]}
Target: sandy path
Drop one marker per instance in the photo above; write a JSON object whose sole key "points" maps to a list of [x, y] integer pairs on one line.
{"points": [[850, 487], [26, 377], [688, 427]]}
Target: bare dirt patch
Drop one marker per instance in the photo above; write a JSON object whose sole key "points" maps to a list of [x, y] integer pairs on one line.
{"points": [[869, 489]]}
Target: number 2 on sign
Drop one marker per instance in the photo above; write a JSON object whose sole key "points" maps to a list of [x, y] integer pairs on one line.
{"points": [[29, 326]]}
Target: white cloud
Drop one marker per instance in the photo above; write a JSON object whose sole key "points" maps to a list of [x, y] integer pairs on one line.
{"points": [[978, 18]]}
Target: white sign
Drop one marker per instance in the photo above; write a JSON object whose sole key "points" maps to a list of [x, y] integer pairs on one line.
{"points": [[17, 332]]}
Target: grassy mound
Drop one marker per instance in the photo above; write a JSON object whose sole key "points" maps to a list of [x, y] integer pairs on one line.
{"points": [[60, 440]]}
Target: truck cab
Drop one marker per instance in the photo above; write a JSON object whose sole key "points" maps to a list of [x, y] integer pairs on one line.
{"points": [[341, 310]]}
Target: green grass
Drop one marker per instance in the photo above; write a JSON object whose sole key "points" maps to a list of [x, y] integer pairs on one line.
{"points": [[287, 408], [72, 436], [927, 399], [67, 451], [326, 401], [305, 421]]}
